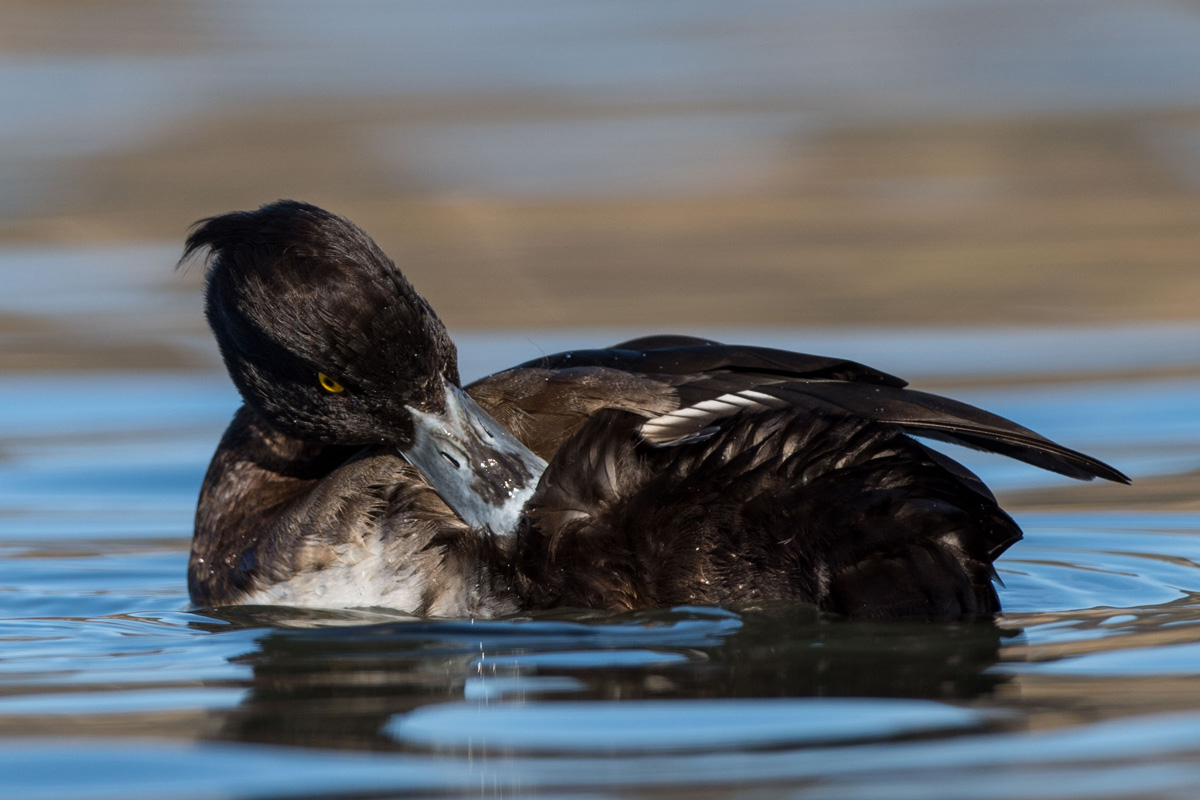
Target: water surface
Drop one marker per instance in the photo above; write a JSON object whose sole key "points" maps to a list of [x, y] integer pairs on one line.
{"points": [[1088, 686]]}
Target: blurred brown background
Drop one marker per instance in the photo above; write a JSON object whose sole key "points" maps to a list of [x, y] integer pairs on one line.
{"points": [[650, 164]]}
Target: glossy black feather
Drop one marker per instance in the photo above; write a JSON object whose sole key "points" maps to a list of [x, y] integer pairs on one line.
{"points": [[657, 357]]}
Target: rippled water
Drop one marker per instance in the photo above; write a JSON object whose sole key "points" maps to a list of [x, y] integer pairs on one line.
{"points": [[110, 686]]}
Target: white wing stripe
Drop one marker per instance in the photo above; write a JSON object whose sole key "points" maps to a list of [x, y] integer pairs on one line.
{"points": [[685, 421]]}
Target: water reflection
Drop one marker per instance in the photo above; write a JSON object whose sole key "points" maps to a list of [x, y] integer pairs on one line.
{"points": [[650, 726], [342, 686]]}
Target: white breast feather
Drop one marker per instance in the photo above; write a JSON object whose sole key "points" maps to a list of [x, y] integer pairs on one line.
{"points": [[363, 577]]}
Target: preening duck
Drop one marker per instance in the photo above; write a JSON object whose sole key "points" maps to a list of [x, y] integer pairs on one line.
{"points": [[665, 470]]}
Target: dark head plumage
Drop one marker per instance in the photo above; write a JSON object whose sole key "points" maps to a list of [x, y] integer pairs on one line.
{"points": [[295, 293]]}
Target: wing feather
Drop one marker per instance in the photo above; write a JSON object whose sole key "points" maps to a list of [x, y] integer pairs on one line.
{"points": [[701, 383]]}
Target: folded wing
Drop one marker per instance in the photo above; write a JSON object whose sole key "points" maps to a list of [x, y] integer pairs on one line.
{"points": [[687, 385]]}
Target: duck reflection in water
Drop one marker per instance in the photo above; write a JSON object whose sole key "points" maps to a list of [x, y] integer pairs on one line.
{"points": [[663, 471], [334, 679]]}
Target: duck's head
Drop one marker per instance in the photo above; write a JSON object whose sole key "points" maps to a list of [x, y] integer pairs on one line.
{"points": [[321, 333], [326, 339]]}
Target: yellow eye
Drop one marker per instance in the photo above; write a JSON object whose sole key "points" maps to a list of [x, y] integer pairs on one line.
{"points": [[329, 384]]}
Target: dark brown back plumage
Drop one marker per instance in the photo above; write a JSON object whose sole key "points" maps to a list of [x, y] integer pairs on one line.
{"points": [[847, 514]]}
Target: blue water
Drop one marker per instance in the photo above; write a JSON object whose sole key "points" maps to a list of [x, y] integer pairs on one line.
{"points": [[111, 686]]}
